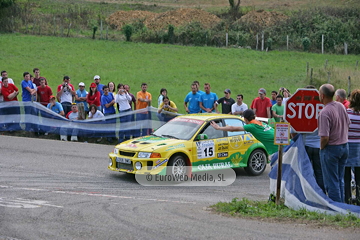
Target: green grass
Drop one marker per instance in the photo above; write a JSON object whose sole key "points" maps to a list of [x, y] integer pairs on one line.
{"points": [[170, 66], [269, 210]]}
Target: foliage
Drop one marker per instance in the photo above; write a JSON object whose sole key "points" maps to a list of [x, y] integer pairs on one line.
{"points": [[248, 208], [128, 31], [306, 43]]}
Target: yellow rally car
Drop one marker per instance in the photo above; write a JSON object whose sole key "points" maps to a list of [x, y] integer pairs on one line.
{"points": [[190, 143]]}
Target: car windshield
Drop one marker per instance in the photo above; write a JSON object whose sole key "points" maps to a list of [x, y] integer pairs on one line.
{"points": [[179, 128]]}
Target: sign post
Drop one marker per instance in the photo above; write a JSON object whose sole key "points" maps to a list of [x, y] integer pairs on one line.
{"points": [[301, 112], [282, 137]]}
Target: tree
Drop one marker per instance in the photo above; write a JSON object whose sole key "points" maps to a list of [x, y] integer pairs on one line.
{"points": [[234, 8], [6, 3]]}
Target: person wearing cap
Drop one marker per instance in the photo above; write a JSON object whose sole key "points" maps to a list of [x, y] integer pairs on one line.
{"points": [[261, 131], [239, 107], [81, 96], [65, 94], [226, 102], [100, 86], [94, 96], [261, 105], [208, 100], [55, 106], [44, 92]]}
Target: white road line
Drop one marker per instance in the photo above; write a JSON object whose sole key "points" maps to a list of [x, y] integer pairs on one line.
{"points": [[93, 194]]}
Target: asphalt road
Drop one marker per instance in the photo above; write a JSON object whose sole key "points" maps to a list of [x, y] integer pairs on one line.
{"points": [[63, 190]]}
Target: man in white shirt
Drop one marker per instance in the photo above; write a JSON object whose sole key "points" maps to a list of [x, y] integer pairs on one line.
{"points": [[239, 107]]}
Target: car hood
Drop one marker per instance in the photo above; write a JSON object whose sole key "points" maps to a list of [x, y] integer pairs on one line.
{"points": [[149, 143]]}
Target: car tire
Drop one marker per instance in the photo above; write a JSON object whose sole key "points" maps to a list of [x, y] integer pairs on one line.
{"points": [[177, 167], [256, 163]]}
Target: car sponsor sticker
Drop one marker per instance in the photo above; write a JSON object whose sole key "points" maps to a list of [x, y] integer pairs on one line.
{"points": [[205, 149], [223, 154]]}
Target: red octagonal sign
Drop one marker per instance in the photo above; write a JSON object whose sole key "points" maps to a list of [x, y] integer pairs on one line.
{"points": [[302, 110]]}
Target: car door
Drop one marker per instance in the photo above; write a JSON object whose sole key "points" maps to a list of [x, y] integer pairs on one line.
{"points": [[238, 143], [210, 151]]}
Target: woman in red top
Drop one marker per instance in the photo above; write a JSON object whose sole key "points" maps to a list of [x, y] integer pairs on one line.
{"points": [[94, 96], [9, 90]]}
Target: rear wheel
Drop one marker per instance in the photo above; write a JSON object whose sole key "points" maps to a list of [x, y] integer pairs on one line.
{"points": [[177, 166], [256, 163]]}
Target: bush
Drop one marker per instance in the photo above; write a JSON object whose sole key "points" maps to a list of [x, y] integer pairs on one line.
{"points": [[127, 31]]}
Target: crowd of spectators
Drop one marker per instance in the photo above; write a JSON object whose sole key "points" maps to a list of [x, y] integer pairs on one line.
{"points": [[334, 149]]}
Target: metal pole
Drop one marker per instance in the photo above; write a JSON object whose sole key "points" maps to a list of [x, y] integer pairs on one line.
{"points": [[279, 171]]}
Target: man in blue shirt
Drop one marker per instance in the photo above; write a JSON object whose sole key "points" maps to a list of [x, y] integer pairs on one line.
{"points": [[107, 101], [55, 106], [27, 88], [208, 99], [98, 84], [193, 99]]}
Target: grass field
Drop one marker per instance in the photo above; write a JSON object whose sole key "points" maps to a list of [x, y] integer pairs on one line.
{"points": [[169, 66]]}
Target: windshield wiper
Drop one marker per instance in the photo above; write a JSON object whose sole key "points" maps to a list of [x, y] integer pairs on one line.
{"points": [[169, 136]]}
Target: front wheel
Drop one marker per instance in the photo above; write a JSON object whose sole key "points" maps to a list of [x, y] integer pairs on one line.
{"points": [[256, 163], [177, 166]]}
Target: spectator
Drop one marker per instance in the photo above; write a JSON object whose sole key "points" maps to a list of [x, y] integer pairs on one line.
{"points": [[165, 108], [55, 106], [143, 102], [274, 94], [333, 128], [44, 92], [34, 96], [112, 90], [208, 100], [239, 107], [261, 105], [94, 96], [122, 99], [278, 109], [37, 77], [65, 94], [133, 99], [163, 93], [95, 113], [81, 97], [312, 147], [353, 160], [340, 96], [193, 98], [107, 101], [259, 130], [72, 115], [9, 90], [226, 102], [27, 88], [285, 93], [98, 84], [5, 74], [198, 87]]}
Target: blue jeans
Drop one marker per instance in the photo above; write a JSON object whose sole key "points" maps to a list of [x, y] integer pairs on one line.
{"points": [[333, 160], [124, 134], [314, 156]]}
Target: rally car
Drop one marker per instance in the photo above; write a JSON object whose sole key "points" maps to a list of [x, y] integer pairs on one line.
{"points": [[188, 143]]}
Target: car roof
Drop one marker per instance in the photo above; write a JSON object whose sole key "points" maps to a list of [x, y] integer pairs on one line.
{"points": [[208, 116]]}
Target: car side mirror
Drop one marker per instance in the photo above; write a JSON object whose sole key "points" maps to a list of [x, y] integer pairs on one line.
{"points": [[202, 137]]}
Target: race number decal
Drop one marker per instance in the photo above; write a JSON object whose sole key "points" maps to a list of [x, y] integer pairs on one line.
{"points": [[205, 149]]}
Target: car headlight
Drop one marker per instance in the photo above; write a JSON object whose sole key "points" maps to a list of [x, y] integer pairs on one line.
{"points": [[148, 155], [144, 155], [138, 165], [116, 150], [110, 162]]}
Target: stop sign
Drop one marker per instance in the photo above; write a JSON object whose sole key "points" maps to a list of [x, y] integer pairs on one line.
{"points": [[302, 110]]}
